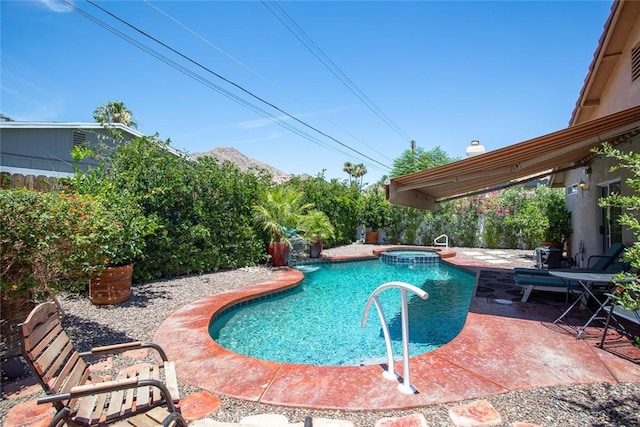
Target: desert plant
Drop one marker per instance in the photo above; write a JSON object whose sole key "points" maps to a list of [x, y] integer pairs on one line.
{"points": [[316, 226], [279, 211]]}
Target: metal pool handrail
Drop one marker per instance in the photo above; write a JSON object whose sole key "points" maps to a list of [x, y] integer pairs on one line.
{"points": [[405, 386], [438, 241]]}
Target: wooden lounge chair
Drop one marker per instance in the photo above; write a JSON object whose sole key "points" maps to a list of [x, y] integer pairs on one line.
{"points": [[143, 394]]}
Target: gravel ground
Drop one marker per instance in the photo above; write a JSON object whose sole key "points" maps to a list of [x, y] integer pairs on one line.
{"points": [[583, 405]]}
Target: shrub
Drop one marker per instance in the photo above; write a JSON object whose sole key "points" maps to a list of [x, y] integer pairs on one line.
{"points": [[627, 292], [50, 241], [202, 209]]}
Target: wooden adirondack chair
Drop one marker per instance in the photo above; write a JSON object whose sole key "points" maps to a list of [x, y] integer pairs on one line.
{"points": [[135, 395]]}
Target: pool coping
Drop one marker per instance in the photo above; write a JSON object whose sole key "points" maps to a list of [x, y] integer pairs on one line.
{"points": [[498, 350]]}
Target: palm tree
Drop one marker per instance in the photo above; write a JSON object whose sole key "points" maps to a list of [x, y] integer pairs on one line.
{"points": [[114, 112], [278, 213], [316, 227], [359, 171], [348, 169]]}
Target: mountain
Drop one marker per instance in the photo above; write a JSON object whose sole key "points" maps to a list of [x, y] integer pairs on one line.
{"points": [[242, 161]]}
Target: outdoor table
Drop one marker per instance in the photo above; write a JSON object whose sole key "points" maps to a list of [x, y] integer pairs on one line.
{"points": [[587, 281]]}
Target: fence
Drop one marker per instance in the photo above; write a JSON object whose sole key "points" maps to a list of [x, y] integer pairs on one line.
{"points": [[32, 182]]}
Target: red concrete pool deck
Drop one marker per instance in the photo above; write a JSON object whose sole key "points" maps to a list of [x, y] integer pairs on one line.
{"points": [[501, 348]]}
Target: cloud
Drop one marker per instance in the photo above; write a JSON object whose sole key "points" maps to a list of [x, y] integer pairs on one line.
{"points": [[56, 6]]}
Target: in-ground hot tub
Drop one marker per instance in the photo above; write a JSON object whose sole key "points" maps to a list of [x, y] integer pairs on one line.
{"points": [[410, 257]]}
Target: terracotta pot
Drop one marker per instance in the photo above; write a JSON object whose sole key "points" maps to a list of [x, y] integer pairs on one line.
{"points": [[371, 237], [316, 249], [279, 252], [112, 286]]}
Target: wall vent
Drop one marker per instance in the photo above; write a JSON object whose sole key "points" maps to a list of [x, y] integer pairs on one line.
{"points": [[635, 64], [78, 137]]}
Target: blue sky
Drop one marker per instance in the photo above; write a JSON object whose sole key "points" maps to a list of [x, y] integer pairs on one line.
{"points": [[441, 73]]}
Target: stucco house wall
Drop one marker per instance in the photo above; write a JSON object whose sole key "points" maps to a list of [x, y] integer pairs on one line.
{"points": [[618, 93]]}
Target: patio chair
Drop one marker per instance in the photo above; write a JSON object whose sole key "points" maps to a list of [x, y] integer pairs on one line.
{"points": [[546, 283], [531, 279], [81, 398], [608, 261]]}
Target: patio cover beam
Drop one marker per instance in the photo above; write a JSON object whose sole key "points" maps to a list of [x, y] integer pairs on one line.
{"points": [[552, 153]]}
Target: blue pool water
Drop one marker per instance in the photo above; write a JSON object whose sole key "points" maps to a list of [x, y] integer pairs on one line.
{"points": [[319, 321]]}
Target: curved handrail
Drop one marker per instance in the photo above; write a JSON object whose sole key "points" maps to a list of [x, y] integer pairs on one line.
{"points": [[405, 386], [438, 241]]}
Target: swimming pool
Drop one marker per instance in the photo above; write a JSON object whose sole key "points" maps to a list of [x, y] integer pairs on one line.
{"points": [[318, 322]]}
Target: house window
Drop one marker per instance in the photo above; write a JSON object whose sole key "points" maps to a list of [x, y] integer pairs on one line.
{"points": [[78, 137], [611, 229], [635, 64]]}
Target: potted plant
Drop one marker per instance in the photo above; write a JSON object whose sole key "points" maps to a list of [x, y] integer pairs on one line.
{"points": [[278, 214], [317, 228], [49, 244], [374, 213], [119, 246]]}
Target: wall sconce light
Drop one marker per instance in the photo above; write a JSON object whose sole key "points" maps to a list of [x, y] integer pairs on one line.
{"points": [[583, 186]]}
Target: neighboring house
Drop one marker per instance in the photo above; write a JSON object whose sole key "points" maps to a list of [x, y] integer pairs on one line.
{"points": [[44, 148], [607, 110], [35, 152]]}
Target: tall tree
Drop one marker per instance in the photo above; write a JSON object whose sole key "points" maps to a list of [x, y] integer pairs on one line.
{"points": [[359, 171], [114, 112], [419, 159], [348, 169]]}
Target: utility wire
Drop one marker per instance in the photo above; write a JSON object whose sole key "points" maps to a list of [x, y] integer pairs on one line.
{"points": [[299, 33], [231, 82], [228, 55], [219, 49], [201, 79]]}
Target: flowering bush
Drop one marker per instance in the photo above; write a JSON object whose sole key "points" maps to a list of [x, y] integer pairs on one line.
{"points": [[55, 241], [49, 240]]}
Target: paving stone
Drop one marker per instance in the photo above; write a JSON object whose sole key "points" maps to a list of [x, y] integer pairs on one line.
{"points": [[101, 365], [140, 353], [29, 413], [198, 405], [265, 420], [325, 422], [209, 422], [413, 420], [476, 414]]}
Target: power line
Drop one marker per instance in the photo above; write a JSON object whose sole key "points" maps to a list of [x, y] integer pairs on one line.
{"points": [[228, 55], [312, 47], [194, 33], [199, 78]]}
